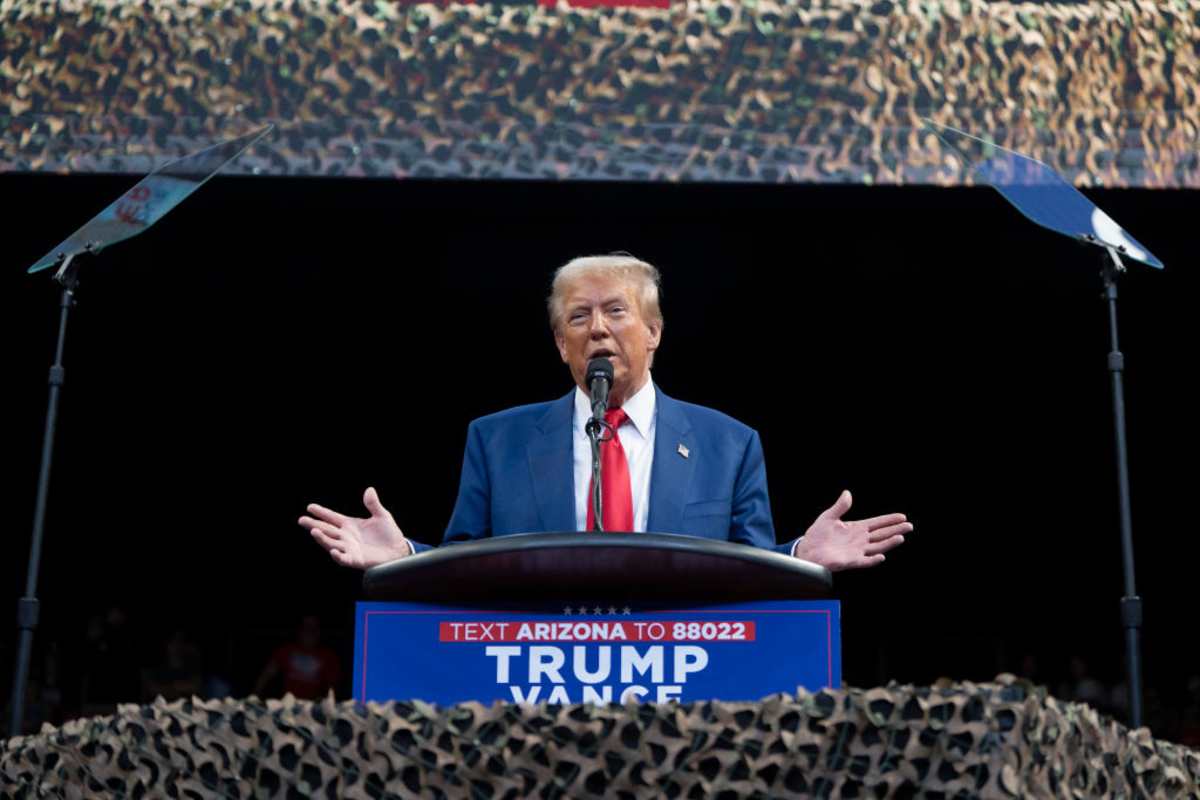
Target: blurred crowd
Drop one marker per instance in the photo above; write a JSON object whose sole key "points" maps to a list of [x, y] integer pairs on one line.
{"points": [[116, 662]]}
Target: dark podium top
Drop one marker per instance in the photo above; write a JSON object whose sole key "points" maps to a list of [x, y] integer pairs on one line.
{"points": [[607, 567]]}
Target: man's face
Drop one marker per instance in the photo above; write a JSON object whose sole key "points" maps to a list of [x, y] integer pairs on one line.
{"points": [[602, 318]]}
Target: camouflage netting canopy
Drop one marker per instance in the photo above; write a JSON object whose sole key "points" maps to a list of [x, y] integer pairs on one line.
{"points": [[712, 90], [1001, 739]]}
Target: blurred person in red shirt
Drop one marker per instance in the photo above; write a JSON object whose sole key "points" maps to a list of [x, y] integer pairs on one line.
{"points": [[308, 670]]}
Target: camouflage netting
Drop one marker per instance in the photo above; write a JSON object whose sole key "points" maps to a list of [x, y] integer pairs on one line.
{"points": [[1003, 739], [759, 90]]}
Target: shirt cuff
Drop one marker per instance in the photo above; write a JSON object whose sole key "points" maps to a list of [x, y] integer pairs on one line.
{"points": [[412, 551], [795, 544]]}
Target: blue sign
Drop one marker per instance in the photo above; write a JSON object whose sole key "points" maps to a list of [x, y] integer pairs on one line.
{"points": [[595, 654]]}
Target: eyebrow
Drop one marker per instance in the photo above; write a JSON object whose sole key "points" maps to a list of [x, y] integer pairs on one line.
{"points": [[616, 298]]}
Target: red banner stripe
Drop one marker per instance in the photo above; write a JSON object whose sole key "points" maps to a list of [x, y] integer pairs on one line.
{"points": [[615, 631]]}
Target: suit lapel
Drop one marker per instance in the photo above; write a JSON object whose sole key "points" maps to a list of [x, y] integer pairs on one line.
{"points": [[672, 471], [552, 466]]}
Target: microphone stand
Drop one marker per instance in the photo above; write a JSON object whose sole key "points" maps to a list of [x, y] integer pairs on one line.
{"points": [[27, 605], [599, 381], [596, 428], [595, 432]]}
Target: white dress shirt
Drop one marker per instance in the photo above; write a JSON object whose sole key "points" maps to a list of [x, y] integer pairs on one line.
{"points": [[637, 440]]}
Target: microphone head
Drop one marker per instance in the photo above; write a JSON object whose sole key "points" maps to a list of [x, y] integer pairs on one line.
{"points": [[599, 368]]}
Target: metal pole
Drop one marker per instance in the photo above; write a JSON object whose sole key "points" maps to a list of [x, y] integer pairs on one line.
{"points": [[27, 606], [1131, 604]]}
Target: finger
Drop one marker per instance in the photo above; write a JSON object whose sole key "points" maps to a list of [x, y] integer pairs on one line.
{"points": [[884, 546], [870, 561], [326, 541], [839, 508], [371, 501], [328, 515], [340, 557], [880, 534], [887, 519], [332, 531]]}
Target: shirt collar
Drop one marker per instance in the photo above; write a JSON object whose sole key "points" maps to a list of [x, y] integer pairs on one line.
{"points": [[639, 408]]}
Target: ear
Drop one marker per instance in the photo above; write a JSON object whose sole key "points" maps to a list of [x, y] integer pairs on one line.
{"points": [[655, 329], [560, 342]]}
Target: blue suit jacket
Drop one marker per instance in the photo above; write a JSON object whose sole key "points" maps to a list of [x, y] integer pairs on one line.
{"points": [[518, 475]]}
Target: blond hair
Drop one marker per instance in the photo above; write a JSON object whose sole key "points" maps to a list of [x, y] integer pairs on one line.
{"points": [[641, 275]]}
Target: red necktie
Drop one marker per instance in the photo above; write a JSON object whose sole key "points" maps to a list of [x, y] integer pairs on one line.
{"points": [[615, 492]]}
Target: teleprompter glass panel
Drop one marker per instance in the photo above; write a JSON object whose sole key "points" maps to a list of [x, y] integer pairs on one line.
{"points": [[1040, 193], [149, 199]]}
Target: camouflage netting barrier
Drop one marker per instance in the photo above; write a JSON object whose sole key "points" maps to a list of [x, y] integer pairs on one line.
{"points": [[745, 90], [1003, 739]]}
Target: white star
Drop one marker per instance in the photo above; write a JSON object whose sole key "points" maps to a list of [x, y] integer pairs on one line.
{"points": [[583, 609], [567, 611], [597, 610], [626, 610], [612, 609]]}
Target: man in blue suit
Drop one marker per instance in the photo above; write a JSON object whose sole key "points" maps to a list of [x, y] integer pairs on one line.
{"points": [[683, 468]]}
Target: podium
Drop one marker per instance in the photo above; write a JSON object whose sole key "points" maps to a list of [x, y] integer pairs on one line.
{"points": [[584, 617]]}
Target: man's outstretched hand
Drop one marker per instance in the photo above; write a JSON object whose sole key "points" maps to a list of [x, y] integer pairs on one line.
{"points": [[838, 544], [359, 542]]}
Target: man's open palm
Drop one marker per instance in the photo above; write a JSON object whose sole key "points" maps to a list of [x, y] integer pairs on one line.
{"points": [[839, 544], [359, 542]]}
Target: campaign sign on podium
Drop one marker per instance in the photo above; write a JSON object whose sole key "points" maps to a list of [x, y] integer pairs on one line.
{"points": [[595, 653]]}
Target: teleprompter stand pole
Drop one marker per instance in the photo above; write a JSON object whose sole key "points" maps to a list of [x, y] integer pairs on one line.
{"points": [[27, 606], [1131, 604]]}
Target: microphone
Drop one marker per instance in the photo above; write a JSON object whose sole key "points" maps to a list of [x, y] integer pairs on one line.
{"points": [[599, 381]]}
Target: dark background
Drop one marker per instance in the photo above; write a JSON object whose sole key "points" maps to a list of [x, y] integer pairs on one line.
{"points": [[278, 341]]}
